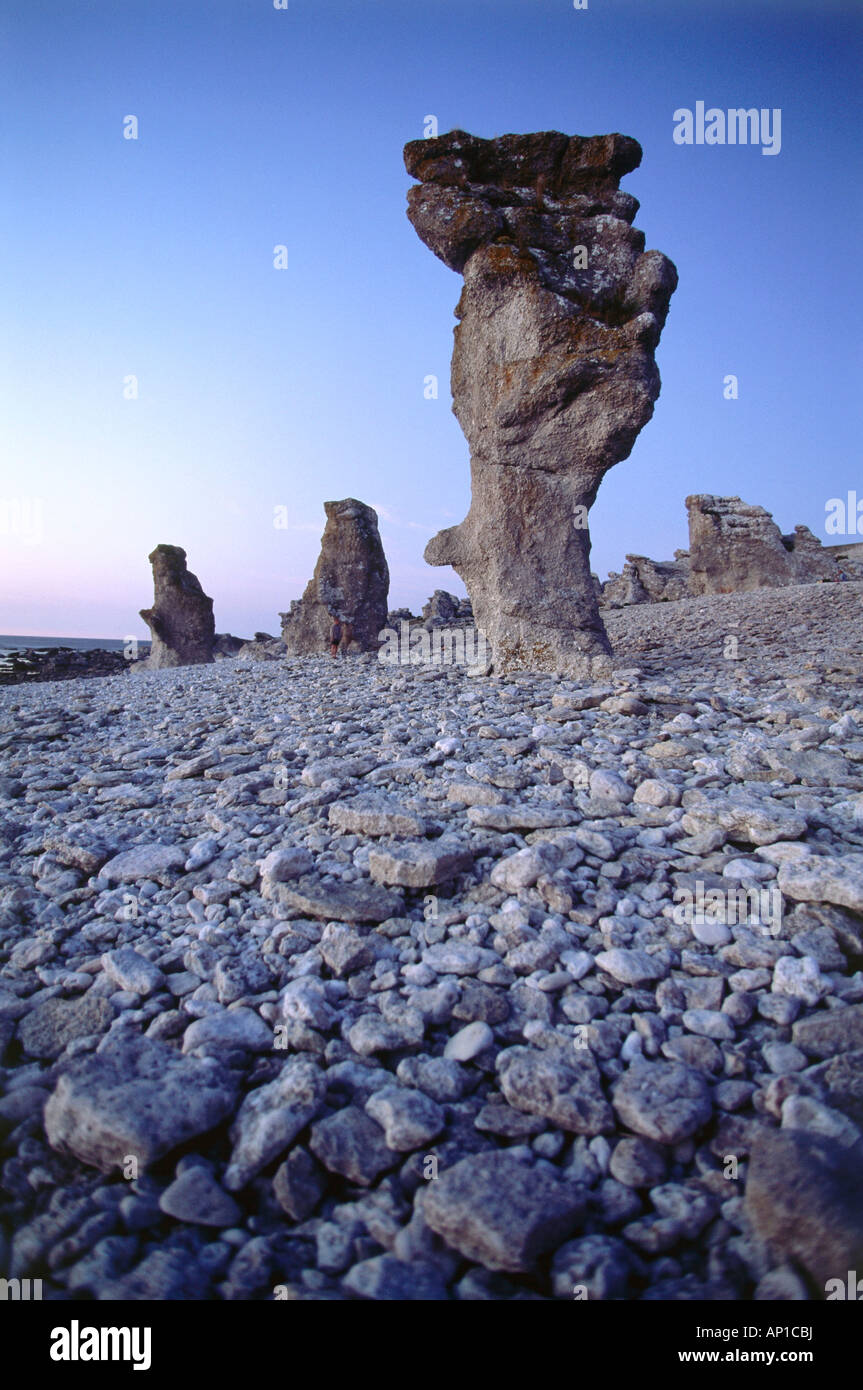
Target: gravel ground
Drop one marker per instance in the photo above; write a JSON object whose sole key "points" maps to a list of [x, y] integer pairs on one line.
{"points": [[341, 980]]}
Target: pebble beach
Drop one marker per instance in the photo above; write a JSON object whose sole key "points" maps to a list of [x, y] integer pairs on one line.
{"points": [[340, 979]]}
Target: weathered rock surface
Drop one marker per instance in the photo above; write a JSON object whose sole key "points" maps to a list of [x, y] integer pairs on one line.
{"points": [[553, 372], [736, 546], [493, 1209], [134, 1097], [803, 1197], [181, 619], [351, 581], [647, 581]]}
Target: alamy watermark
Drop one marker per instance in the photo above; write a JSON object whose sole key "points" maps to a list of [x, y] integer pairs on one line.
{"points": [[844, 516], [737, 126], [442, 646], [22, 517], [750, 906]]}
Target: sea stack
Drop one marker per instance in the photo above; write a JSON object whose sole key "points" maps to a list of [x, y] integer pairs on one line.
{"points": [[181, 619], [553, 370], [351, 582]]}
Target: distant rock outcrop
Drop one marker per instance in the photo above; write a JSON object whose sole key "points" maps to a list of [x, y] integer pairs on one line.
{"points": [[810, 560], [262, 647], [736, 546], [553, 371], [351, 581], [225, 644], [181, 619], [441, 609], [648, 581]]}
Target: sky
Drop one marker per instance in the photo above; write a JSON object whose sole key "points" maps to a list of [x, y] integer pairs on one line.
{"points": [[162, 381]]}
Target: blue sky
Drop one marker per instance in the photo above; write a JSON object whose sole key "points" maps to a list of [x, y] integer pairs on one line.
{"points": [[261, 388]]}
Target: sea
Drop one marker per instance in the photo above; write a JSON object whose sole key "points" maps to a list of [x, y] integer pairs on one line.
{"points": [[16, 643]]}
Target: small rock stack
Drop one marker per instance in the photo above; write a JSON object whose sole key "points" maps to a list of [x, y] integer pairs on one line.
{"points": [[351, 581], [181, 619]]}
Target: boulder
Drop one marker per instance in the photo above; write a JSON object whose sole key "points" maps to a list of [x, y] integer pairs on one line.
{"points": [[553, 371], [181, 619], [351, 581]]}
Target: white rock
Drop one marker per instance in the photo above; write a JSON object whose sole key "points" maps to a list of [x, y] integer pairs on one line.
{"points": [[469, 1042], [800, 978]]}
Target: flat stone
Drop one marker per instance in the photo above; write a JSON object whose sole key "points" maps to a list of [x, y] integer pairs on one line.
{"points": [[351, 1144], [371, 815], [132, 971], [520, 818], [159, 862], [499, 1212], [409, 1118], [286, 862], [830, 1032], [196, 1197], [458, 958], [192, 767], [373, 1033], [630, 967], [663, 1101], [422, 864], [271, 1117], [134, 1097], [77, 849], [339, 902], [823, 878], [240, 1028], [710, 1023], [46, 1030], [566, 1091], [746, 817]]}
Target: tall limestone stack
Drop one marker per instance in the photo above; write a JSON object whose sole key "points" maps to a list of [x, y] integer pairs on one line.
{"points": [[181, 619], [553, 371], [351, 581]]}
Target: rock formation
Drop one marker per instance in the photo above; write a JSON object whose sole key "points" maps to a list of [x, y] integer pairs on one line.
{"points": [[351, 580], [810, 561], [553, 371], [444, 609], [648, 581], [226, 645], [181, 619], [736, 546]]}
